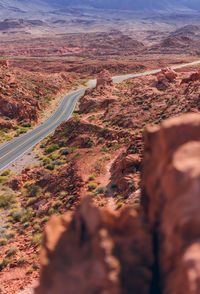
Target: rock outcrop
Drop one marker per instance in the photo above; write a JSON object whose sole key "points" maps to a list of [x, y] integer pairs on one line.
{"points": [[94, 251], [123, 170], [166, 75], [104, 80], [171, 186], [192, 78]]}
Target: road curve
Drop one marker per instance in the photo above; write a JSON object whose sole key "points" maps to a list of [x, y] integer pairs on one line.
{"points": [[18, 146]]}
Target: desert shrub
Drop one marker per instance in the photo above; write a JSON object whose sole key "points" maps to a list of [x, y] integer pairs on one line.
{"points": [[51, 211], [22, 260], [29, 271], [46, 160], [11, 252], [101, 190], [17, 215], [37, 239], [5, 173], [92, 186], [4, 264], [3, 179], [26, 225], [44, 219], [63, 195], [57, 204], [26, 125], [1, 289], [3, 242], [88, 142], [100, 141], [7, 200], [114, 186], [10, 235], [36, 228], [65, 152], [91, 177], [26, 185], [36, 266], [104, 149], [51, 148], [50, 167], [34, 190]]}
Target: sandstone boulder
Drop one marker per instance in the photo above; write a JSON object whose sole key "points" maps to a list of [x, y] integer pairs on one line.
{"points": [[104, 80], [166, 75]]}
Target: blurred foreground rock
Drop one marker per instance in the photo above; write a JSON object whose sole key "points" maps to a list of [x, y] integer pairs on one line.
{"points": [[96, 251], [171, 181]]}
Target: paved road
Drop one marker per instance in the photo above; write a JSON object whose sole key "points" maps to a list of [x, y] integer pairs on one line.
{"points": [[18, 146]]}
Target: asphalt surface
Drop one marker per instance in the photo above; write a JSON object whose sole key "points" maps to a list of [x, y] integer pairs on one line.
{"points": [[18, 146]]}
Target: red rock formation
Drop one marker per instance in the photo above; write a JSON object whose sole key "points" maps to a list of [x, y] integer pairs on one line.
{"points": [[123, 169], [93, 251], [167, 75], [171, 185], [104, 80], [192, 78]]}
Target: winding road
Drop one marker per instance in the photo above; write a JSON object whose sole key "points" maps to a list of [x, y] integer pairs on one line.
{"points": [[18, 146]]}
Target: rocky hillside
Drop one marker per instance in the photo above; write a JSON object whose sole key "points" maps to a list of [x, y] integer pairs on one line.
{"points": [[156, 251], [24, 95], [99, 153]]}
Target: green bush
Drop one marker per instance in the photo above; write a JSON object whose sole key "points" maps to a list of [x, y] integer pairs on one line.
{"points": [[65, 152], [7, 200], [91, 177], [44, 219], [50, 167], [17, 215], [34, 190], [10, 235], [22, 260], [101, 190], [92, 186], [53, 147], [4, 264], [37, 239], [26, 125], [11, 252], [57, 204], [3, 242], [5, 173], [3, 179]]}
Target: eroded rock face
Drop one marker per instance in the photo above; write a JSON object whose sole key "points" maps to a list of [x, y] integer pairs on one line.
{"points": [[171, 186], [93, 251], [192, 78], [123, 170], [104, 80], [166, 75]]}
